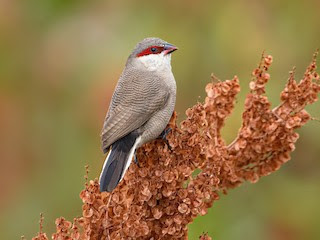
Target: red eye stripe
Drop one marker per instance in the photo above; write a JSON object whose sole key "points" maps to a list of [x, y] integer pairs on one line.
{"points": [[150, 50]]}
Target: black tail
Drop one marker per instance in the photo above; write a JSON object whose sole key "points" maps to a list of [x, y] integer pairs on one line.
{"points": [[117, 161]]}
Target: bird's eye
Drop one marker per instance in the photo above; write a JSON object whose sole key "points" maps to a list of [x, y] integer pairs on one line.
{"points": [[151, 50]]}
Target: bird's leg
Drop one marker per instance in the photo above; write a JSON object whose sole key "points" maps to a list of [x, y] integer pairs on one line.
{"points": [[164, 135], [135, 158]]}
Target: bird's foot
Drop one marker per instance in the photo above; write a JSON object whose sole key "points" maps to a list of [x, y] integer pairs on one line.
{"points": [[165, 133], [136, 159]]}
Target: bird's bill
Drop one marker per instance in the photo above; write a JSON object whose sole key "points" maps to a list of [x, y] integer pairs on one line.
{"points": [[169, 48]]}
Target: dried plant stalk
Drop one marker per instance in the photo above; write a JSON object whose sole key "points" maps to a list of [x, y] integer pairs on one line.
{"points": [[205, 236], [41, 235], [161, 197]]}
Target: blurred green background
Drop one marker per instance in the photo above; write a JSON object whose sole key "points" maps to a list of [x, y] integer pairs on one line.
{"points": [[60, 61]]}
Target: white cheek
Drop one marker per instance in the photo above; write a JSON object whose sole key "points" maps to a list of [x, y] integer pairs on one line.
{"points": [[156, 61]]}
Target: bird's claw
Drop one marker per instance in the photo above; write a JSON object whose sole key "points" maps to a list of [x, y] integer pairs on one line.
{"points": [[136, 159]]}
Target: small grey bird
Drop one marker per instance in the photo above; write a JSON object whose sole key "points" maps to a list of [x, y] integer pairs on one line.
{"points": [[140, 109]]}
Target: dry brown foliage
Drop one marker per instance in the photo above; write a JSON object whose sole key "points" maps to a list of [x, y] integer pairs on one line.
{"points": [[205, 236], [161, 197]]}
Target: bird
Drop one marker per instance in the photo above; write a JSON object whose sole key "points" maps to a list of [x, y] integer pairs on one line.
{"points": [[140, 108]]}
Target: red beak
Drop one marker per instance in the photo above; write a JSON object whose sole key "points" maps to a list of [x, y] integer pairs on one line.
{"points": [[169, 48]]}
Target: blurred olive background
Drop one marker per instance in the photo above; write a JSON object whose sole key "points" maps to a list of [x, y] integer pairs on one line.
{"points": [[60, 61]]}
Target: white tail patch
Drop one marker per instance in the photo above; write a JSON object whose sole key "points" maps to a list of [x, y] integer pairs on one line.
{"points": [[130, 157], [128, 161], [105, 163]]}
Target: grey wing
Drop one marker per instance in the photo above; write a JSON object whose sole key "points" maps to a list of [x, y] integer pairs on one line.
{"points": [[134, 101]]}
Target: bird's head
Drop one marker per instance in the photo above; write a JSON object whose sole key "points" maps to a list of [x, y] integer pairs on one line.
{"points": [[153, 54]]}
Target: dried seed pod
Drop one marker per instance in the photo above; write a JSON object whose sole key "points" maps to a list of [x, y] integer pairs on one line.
{"points": [[177, 183]]}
